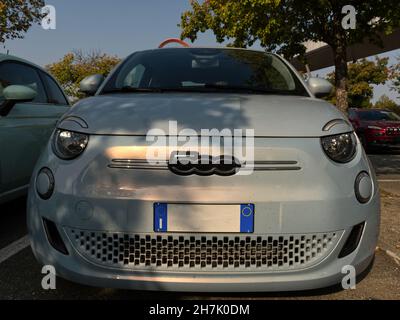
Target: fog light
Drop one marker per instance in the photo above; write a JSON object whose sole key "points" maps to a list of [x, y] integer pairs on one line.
{"points": [[353, 240], [363, 187], [45, 183], [54, 237]]}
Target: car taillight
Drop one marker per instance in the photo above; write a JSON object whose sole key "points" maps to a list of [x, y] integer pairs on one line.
{"points": [[377, 131]]}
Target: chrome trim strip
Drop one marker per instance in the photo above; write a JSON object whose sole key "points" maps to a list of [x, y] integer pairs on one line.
{"points": [[335, 122], [276, 168], [262, 165], [144, 161], [261, 162], [137, 167], [139, 161]]}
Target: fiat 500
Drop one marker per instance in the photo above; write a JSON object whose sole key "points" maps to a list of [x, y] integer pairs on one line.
{"points": [[123, 198]]}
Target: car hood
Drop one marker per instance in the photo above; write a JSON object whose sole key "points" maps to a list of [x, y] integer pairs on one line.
{"points": [[268, 115]]}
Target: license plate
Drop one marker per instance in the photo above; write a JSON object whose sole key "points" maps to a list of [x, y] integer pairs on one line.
{"points": [[197, 218]]}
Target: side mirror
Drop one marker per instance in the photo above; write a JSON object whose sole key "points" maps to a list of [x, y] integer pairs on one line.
{"points": [[320, 87], [14, 94], [91, 84]]}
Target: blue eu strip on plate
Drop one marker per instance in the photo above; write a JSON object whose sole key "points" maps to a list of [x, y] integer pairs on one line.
{"points": [[247, 218], [160, 217]]}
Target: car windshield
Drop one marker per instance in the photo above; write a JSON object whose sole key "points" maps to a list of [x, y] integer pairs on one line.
{"points": [[205, 70], [379, 116]]}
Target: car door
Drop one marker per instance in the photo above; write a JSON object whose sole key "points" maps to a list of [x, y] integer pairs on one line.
{"points": [[25, 131]]}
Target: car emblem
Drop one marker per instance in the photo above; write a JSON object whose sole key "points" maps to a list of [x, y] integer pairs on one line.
{"points": [[192, 163]]}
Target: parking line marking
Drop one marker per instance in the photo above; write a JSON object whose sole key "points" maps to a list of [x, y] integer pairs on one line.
{"points": [[12, 249]]}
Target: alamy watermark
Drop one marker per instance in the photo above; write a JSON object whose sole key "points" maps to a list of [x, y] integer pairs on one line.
{"points": [[49, 280], [209, 147], [349, 280], [349, 21], [49, 21]]}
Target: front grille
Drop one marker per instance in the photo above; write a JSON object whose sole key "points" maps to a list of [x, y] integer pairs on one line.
{"points": [[154, 252]]}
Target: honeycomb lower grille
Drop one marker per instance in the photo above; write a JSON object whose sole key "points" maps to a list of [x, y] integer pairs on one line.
{"points": [[203, 253]]}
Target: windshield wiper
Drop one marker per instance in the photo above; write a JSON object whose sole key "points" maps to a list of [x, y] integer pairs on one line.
{"points": [[128, 89], [203, 88], [239, 88]]}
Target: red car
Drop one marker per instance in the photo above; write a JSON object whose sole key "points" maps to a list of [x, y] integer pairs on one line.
{"points": [[376, 127]]}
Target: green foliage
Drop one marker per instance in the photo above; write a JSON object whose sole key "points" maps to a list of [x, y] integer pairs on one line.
{"points": [[75, 66], [17, 16], [362, 75], [285, 25], [395, 76], [388, 104]]}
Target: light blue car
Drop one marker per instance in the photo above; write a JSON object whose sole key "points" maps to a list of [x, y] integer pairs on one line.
{"points": [[119, 198], [31, 102]]}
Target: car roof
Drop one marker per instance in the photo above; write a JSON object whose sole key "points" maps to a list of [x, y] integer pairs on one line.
{"points": [[206, 48], [369, 110], [4, 57]]}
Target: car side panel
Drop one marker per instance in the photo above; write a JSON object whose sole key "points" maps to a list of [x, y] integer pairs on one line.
{"points": [[24, 134]]}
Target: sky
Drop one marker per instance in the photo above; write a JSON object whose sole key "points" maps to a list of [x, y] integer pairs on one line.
{"points": [[117, 27]]}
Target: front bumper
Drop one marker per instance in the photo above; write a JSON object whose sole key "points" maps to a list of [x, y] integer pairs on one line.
{"points": [[384, 142], [312, 202], [326, 272]]}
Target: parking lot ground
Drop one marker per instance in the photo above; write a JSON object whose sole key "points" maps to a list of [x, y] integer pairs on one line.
{"points": [[390, 223], [20, 274], [386, 163], [12, 221]]}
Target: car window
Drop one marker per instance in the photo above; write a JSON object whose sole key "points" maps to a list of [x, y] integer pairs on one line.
{"points": [[53, 90], [379, 116], [12, 73], [206, 70], [135, 76], [352, 115]]}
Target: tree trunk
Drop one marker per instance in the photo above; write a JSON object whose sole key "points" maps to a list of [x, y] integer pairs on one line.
{"points": [[341, 74]]}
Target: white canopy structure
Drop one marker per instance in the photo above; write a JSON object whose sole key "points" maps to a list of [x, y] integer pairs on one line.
{"points": [[320, 55]]}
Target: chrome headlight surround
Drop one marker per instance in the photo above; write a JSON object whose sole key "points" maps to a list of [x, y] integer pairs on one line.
{"points": [[340, 148], [68, 145]]}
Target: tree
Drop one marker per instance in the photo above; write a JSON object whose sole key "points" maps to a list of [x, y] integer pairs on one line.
{"points": [[16, 17], [395, 76], [385, 102], [283, 26], [362, 75], [77, 65]]}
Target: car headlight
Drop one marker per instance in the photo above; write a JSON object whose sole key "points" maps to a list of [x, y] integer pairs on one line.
{"points": [[68, 145], [340, 148]]}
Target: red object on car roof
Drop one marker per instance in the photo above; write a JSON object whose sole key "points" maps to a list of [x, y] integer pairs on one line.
{"points": [[173, 40]]}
